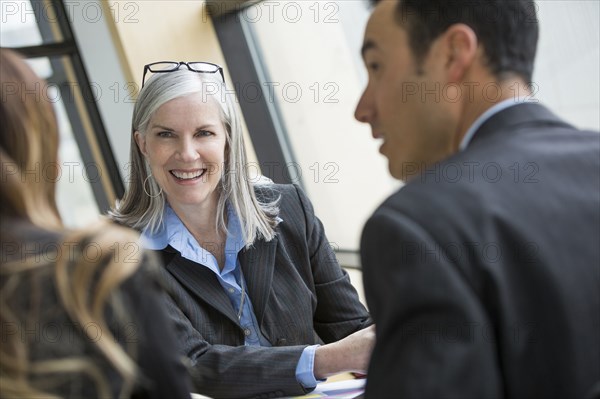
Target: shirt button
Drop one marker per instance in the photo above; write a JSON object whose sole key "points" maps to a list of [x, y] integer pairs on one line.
{"points": [[247, 332], [231, 290]]}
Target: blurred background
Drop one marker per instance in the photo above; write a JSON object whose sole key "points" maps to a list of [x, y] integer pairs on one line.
{"points": [[296, 69]]}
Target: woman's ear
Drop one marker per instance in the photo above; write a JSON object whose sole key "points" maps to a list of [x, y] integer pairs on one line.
{"points": [[140, 140]]}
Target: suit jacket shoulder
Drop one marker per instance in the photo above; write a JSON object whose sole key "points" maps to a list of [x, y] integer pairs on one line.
{"points": [[502, 234]]}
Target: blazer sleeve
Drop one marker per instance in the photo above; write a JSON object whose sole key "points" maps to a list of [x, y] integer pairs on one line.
{"points": [[226, 371], [161, 365], [433, 334], [339, 311]]}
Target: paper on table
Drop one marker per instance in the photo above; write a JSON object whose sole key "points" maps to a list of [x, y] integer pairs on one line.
{"points": [[346, 389]]}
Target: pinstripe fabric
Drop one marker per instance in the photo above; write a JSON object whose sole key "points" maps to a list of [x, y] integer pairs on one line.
{"points": [[300, 296]]}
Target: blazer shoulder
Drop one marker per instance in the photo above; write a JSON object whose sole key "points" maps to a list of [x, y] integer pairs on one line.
{"points": [[271, 191], [438, 208], [286, 194], [431, 197]]}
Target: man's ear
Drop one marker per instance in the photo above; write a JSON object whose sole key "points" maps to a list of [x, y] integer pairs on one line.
{"points": [[460, 46]]}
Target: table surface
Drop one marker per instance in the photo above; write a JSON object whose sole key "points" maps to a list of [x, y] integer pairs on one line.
{"points": [[338, 386]]}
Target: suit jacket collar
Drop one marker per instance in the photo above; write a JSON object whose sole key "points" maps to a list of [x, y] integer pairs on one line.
{"points": [[516, 117], [257, 264], [201, 282]]}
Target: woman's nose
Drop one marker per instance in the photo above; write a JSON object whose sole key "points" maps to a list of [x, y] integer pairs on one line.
{"points": [[187, 150]]}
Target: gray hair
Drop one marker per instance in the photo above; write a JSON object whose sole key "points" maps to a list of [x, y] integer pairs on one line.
{"points": [[141, 209]]}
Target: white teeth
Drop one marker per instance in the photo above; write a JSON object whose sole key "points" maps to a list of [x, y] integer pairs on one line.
{"points": [[188, 175]]}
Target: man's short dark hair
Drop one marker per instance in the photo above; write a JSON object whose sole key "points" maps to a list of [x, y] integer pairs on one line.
{"points": [[507, 29]]}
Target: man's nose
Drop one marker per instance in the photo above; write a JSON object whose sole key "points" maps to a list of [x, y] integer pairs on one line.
{"points": [[364, 109]]}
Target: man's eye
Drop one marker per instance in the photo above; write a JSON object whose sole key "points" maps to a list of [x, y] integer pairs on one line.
{"points": [[373, 66]]}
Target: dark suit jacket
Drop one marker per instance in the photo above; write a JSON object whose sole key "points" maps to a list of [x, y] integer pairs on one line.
{"points": [[40, 321], [300, 297], [483, 274]]}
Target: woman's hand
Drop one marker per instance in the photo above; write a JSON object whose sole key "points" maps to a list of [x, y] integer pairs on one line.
{"points": [[349, 354]]}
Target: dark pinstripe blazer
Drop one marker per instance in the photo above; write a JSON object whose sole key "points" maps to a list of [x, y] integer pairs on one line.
{"points": [[300, 296]]}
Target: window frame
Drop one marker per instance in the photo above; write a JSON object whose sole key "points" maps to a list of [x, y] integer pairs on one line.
{"points": [[78, 99], [263, 118], [243, 57]]}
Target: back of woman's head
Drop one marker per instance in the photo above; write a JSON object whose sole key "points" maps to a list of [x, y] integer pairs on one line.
{"points": [[47, 275], [63, 314], [28, 144]]}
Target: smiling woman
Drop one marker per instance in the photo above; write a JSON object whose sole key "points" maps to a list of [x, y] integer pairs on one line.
{"points": [[184, 144], [177, 120], [255, 287]]}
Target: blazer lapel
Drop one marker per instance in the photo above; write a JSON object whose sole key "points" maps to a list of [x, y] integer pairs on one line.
{"points": [[203, 283], [257, 264]]}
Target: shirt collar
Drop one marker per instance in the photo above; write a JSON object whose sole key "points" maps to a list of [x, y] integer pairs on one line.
{"points": [[174, 233], [160, 238], [501, 106]]}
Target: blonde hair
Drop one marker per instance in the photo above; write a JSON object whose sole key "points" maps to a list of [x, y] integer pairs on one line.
{"points": [[141, 209], [85, 288], [28, 142]]}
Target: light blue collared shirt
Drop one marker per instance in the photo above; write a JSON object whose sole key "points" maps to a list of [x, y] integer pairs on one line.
{"points": [[174, 233], [501, 106]]}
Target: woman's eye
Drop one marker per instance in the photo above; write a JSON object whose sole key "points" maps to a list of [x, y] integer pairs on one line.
{"points": [[164, 134], [204, 133]]}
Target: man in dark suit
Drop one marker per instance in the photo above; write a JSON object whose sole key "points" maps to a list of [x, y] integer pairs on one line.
{"points": [[482, 273]]}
